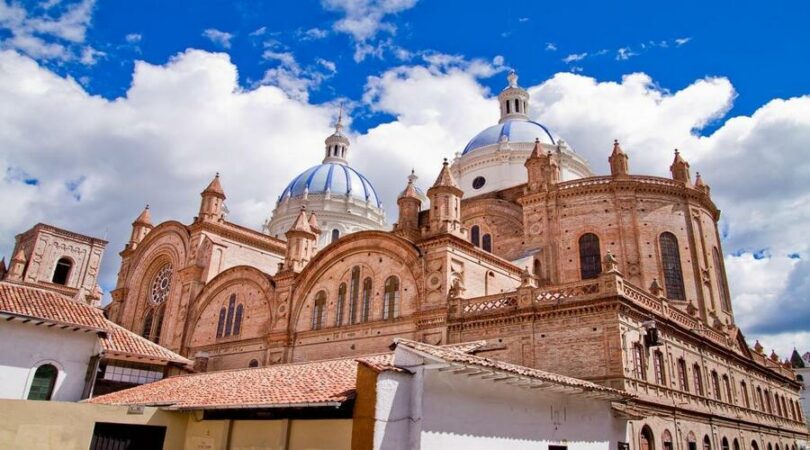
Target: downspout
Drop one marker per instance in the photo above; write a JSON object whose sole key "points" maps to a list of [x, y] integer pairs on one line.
{"points": [[285, 444], [229, 435]]}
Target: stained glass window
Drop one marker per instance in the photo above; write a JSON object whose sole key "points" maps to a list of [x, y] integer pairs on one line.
{"points": [[161, 285]]}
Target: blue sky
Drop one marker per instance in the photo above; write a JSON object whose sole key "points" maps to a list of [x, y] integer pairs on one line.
{"points": [[106, 106]]}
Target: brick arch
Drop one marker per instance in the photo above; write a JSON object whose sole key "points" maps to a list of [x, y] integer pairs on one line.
{"points": [[375, 242], [210, 299]]}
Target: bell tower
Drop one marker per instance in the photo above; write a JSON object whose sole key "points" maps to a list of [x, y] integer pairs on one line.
{"points": [[514, 100]]}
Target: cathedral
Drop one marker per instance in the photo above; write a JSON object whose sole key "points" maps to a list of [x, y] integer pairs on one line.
{"points": [[615, 279]]}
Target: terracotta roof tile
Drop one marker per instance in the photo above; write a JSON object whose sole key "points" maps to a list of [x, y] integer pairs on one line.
{"points": [[451, 354], [27, 301], [303, 384]]}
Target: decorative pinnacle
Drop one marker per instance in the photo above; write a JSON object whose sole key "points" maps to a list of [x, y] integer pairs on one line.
{"points": [[339, 124], [412, 177]]}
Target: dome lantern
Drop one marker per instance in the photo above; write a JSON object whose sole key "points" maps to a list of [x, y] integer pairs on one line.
{"points": [[514, 100], [337, 145]]}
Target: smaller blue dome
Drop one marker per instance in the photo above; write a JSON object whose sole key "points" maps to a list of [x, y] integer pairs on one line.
{"points": [[338, 179], [514, 131]]}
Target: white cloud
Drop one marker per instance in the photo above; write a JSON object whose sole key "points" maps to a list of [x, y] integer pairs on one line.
{"points": [[625, 53], [59, 143], [258, 32], [133, 38], [221, 38], [46, 36], [682, 41], [328, 65], [363, 20], [575, 57], [296, 81], [90, 56], [523, 19], [551, 47], [314, 34]]}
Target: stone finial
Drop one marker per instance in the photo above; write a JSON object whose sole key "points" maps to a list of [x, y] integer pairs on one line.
{"points": [[301, 222], [758, 347], [700, 184], [17, 266], [526, 278], [618, 161], [774, 357], [313, 224], [680, 169], [445, 178], [214, 188], [609, 263], [691, 309], [655, 288], [410, 189], [144, 218], [512, 79], [456, 289]]}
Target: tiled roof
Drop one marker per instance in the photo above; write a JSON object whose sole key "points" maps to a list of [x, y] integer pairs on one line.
{"points": [[451, 355], [121, 342], [31, 302], [321, 383], [20, 300]]}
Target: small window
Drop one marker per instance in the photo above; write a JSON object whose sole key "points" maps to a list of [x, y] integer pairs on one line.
{"points": [[354, 294], [638, 361], [335, 235], [671, 260], [62, 271], [724, 444], [479, 182], [666, 440], [43, 383], [508, 108], [319, 310], [475, 235], [682, 377], [486, 243], [646, 439], [391, 300], [698, 380], [341, 301], [366, 311], [221, 322], [517, 105], [707, 443], [590, 264], [237, 321], [658, 362], [253, 363]]}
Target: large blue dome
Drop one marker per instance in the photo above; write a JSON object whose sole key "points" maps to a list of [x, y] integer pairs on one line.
{"points": [[514, 131], [338, 179]]}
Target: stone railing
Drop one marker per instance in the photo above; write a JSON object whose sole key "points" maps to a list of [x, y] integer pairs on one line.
{"points": [[488, 304], [579, 290]]}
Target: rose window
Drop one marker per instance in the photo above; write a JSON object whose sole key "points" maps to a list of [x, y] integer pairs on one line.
{"points": [[161, 285]]}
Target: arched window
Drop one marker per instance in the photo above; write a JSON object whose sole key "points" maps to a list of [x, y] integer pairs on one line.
{"points": [[736, 444], [666, 440], [721, 281], [537, 267], [770, 447], [716, 386], [658, 367], [391, 299], [760, 399], [724, 444], [161, 285], [638, 361], [237, 321], [754, 445], [147, 324], [707, 443], [646, 439], [744, 390], [691, 441], [671, 261], [335, 234], [158, 324], [61, 272], [590, 264], [319, 310], [341, 301], [475, 235], [253, 363], [486, 243], [221, 322], [517, 105], [366, 312], [768, 405], [508, 110], [683, 378], [698, 380], [229, 316], [354, 294], [727, 387], [43, 383]]}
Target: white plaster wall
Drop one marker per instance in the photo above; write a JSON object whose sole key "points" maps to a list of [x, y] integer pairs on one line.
{"points": [[26, 347]]}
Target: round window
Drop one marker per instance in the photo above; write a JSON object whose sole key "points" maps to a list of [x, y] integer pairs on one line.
{"points": [[479, 182], [161, 285]]}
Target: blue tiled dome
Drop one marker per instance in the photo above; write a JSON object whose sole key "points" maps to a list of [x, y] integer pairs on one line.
{"points": [[338, 179], [515, 131]]}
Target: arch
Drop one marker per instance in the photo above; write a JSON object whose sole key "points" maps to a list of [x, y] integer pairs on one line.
{"points": [[691, 441], [475, 235], [724, 444], [735, 444], [646, 439], [341, 301], [486, 243], [253, 363], [221, 322], [707, 443], [754, 445], [666, 440], [366, 311], [62, 271], [391, 298], [319, 310], [229, 315], [671, 262], [590, 263], [43, 383], [335, 234], [237, 320]]}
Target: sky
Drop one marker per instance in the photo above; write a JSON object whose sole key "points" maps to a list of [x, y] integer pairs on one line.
{"points": [[108, 106]]}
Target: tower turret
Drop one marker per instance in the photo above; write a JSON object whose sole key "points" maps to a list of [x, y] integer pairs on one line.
{"points": [[680, 169], [410, 203], [618, 161], [17, 268], [140, 228], [301, 239], [514, 100], [543, 169], [337, 145], [445, 204], [213, 198]]}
